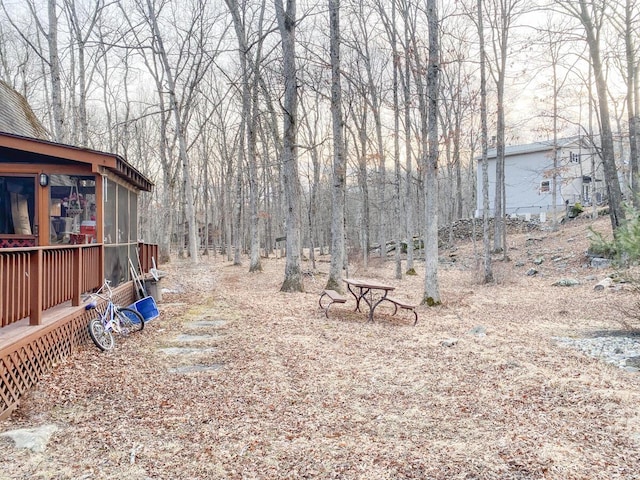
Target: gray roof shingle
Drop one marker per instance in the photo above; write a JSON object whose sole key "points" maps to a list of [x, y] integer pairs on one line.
{"points": [[16, 116]]}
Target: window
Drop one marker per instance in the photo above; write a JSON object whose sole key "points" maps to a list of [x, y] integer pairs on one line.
{"points": [[544, 186], [17, 205], [72, 209]]}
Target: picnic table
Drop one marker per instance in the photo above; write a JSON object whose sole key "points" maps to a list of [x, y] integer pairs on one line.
{"points": [[373, 293]]}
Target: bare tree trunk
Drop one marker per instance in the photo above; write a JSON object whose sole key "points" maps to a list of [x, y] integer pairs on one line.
{"points": [[360, 119], [287, 26], [409, 205], [503, 16], [486, 239], [249, 126], [54, 65], [334, 281], [396, 147], [181, 135], [591, 16], [81, 39], [431, 288], [633, 101]]}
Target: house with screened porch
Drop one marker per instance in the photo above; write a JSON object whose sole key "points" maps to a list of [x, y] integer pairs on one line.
{"points": [[68, 220]]}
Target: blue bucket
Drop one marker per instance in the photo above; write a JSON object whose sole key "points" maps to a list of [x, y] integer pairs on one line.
{"points": [[147, 308]]}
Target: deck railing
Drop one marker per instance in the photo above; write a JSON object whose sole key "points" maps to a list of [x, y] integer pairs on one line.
{"points": [[148, 253], [35, 279]]}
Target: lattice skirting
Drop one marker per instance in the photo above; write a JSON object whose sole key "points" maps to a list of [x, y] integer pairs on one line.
{"points": [[25, 362], [17, 242]]}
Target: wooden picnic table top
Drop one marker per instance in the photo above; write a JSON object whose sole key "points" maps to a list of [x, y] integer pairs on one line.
{"points": [[372, 284]]}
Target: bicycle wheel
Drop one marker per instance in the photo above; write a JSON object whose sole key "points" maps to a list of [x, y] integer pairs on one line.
{"points": [[130, 319], [102, 338]]}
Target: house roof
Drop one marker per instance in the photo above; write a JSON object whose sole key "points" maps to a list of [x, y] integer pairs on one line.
{"points": [[512, 150], [16, 115], [21, 131], [51, 152]]}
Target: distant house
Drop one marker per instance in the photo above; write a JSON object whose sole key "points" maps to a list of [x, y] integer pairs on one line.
{"points": [[529, 177]]}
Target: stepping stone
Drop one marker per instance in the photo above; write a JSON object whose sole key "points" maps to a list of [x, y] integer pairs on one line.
{"points": [[207, 323], [196, 368], [185, 350], [194, 338], [35, 439]]}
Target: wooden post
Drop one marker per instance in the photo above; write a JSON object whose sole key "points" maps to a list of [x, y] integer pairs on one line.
{"points": [[76, 276], [43, 217], [101, 275], [2, 290], [35, 285]]}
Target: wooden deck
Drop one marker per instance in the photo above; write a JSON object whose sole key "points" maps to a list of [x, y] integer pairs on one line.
{"points": [[27, 352], [42, 314]]}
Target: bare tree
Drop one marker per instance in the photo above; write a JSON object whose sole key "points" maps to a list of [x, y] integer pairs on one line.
{"points": [[50, 58], [374, 96], [287, 26], [592, 15], [431, 288], [405, 79], [627, 24], [501, 14], [249, 71], [486, 238], [392, 32], [339, 162], [82, 29], [555, 40]]}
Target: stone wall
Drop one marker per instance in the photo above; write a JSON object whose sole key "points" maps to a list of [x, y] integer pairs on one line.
{"points": [[464, 229]]}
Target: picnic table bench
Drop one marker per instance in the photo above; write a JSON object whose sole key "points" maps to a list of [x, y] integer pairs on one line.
{"points": [[403, 305], [334, 297]]}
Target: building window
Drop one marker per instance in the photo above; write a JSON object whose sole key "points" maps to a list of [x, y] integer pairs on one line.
{"points": [[544, 186], [72, 208], [17, 205]]}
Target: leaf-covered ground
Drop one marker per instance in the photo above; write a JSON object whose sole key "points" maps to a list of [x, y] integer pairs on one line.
{"points": [[292, 394]]}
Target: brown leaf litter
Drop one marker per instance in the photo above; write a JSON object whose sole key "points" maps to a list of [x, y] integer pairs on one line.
{"points": [[297, 395]]}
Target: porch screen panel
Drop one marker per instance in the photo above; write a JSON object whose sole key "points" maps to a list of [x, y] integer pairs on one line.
{"points": [[110, 209], [133, 216], [123, 215], [116, 264]]}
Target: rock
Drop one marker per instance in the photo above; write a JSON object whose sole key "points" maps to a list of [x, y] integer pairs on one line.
{"points": [[602, 284], [566, 282], [598, 262], [478, 331], [538, 260], [619, 350], [531, 272], [35, 439], [449, 342], [633, 362], [519, 264]]}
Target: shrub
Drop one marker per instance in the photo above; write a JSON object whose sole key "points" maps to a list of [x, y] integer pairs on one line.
{"points": [[625, 247], [628, 236], [577, 209], [601, 247]]}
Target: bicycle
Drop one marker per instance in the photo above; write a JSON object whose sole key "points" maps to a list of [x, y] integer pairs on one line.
{"points": [[113, 318]]}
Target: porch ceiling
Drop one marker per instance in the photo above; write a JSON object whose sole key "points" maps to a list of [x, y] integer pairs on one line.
{"points": [[49, 152]]}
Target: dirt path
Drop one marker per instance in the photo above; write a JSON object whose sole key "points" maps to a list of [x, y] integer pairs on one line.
{"points": [[239, 381]]}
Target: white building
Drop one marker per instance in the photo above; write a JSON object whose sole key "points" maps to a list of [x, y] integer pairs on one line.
{"points": [[529, 177]]}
